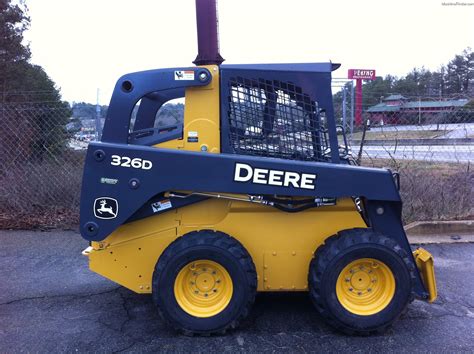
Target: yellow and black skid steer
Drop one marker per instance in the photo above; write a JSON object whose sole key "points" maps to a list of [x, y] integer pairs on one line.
{"points": [[250, 193]]}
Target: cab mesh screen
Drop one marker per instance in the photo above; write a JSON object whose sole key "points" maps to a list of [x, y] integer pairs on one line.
{"points": [[274, 119]]}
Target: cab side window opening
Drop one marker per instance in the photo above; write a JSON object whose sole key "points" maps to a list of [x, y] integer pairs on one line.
{"points": [[150, 125], [171, 113]]}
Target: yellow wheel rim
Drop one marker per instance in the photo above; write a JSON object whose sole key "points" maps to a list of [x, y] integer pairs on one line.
{"points": [[203, 288], [365, 286]]}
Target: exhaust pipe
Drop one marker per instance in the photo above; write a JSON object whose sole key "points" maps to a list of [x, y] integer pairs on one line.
{"points": [[207, 33]]}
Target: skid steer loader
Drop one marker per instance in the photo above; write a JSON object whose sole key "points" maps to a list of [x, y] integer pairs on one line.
{"points": [[250, 193]]}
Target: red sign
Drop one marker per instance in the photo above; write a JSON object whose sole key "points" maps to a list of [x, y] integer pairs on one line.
{"points": [[364, 74]]}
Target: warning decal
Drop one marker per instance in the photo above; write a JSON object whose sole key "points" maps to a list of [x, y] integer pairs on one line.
{"points": [[162, 205], [184, 75]]}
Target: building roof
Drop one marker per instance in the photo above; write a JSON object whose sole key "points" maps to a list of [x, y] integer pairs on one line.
{"points": [[395, 98], [434, 104], [382, 107], [410, 105]]}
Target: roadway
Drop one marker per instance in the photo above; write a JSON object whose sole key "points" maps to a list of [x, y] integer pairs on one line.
{"points": [[452, 130], [430, 153]]}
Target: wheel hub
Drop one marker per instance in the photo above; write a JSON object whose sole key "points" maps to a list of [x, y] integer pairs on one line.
{"points": [[203, 288], [205, 282], [360, 280], [365, 286]]}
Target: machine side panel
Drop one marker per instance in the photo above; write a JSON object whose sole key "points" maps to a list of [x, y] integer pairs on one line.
{"points": [[143, 172]]}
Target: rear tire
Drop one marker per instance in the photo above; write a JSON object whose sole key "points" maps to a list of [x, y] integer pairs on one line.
{"points": [[204, 283], [360, 281]]}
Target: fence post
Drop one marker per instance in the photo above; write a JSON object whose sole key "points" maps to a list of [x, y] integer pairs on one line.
{"points": [[419, 110]]}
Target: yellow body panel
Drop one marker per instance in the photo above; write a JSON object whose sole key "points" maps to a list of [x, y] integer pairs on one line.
{"points": [[281, 244], [128, 256], [201, 117]]}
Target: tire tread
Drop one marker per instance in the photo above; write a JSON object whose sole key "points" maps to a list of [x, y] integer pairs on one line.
{"points": [[334, 245], [221, 241]]}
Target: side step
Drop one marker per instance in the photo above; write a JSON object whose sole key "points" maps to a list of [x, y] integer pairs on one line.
{"points": [[425, 263]]}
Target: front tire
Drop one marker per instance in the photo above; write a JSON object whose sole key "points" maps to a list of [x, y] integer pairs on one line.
{"points": [[360, 281], [204, 283]]}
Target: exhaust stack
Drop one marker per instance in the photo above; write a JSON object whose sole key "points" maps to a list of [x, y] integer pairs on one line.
{"points": [[208, 33]]}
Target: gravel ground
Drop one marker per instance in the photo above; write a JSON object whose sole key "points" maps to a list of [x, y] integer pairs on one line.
{"points": [[50, 301]]}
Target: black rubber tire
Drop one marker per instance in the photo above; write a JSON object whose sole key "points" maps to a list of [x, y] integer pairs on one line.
{"points": [[218, 247], [343, 248]]}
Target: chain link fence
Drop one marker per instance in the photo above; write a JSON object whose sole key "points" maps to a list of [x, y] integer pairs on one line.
{"points": [[429, 140], [40, 172]]}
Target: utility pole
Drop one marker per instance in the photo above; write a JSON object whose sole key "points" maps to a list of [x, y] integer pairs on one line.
{"points": [[352, 110], [344, 119], [98, 125]]}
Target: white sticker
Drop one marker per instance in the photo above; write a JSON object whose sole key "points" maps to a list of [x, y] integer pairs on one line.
{"points": [[184, 75], [106, 180], [163, 205], [192, 134]]}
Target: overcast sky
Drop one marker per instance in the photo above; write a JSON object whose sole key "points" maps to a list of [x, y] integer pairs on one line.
{"points": [[88, 44]]}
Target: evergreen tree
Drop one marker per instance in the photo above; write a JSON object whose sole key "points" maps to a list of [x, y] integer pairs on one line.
{"points": [[454, 80], [32, 104], [13, 22]]}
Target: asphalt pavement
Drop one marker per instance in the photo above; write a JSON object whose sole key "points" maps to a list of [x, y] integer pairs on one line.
{"points": [[51, 302]]}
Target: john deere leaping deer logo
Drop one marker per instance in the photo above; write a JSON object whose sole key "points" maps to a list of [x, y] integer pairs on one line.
{"points": [[105, 208]]}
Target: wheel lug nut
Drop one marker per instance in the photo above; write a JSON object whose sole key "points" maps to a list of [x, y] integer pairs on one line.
{"points": [[215, 290], [213, 272], [218, 281], [359, 293], [369, 289], [205, 295], [196, 292], [350, 289], [347, 280]]}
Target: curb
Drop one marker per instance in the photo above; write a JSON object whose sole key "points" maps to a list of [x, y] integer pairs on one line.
{"points": [[423, 232]]}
